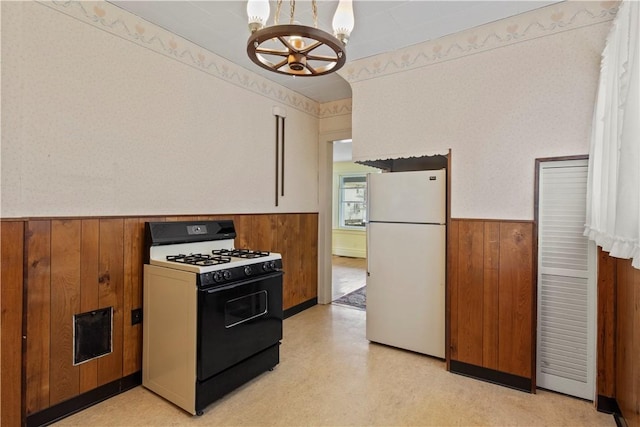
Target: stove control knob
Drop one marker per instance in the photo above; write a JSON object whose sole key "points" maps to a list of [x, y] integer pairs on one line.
{"points": [[265, 266], [217, 276], [226, 274], [247, 270], [272, 265], [206, 278]]}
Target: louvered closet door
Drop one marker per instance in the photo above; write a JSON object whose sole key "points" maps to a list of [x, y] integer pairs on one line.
{"points": [[566, 282]]}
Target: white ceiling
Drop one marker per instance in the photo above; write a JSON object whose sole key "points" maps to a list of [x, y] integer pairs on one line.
{"points": [[380, 26]]}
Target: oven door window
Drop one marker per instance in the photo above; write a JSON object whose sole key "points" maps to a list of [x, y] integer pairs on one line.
{"points": [[245, 308]]}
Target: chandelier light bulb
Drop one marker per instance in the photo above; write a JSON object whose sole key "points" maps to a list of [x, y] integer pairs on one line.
{"points": [[257, 13], [297, 42], [343, 20]]}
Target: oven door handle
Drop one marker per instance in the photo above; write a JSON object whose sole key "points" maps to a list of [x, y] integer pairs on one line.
{"points": [[247, 281]]}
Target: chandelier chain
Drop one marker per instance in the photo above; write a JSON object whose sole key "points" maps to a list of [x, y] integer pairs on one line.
{"points": [[292, 11], [276, 18], [314, 8]]}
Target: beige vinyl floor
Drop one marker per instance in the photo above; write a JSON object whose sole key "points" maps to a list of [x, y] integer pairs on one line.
{"points": [[330, 375]]}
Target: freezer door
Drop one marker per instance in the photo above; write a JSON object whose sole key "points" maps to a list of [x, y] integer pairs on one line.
{"points": [[406, 286], [417, 197]]}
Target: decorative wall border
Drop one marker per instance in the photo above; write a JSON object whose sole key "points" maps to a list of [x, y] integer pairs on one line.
{"points": [[123, 24], [552, 19], [341, 107], [548, 20]]}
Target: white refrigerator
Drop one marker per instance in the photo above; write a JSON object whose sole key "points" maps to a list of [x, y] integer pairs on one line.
{"points": [[406, 233]]}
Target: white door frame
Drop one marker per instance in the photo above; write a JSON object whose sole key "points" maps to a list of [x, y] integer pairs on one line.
{"points": [[325, 206]]}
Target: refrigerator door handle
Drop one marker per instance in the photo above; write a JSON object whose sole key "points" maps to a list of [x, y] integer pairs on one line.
{"points": [[367, 221], [367, 251]]}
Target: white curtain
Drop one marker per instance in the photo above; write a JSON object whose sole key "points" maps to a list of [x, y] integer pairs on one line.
{"points": [[613, 194]]}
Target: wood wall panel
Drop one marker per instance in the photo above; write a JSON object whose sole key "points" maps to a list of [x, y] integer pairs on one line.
{"points": [[89, 265], [11, 292], [111, 294], [38, 312], [606, 336], [264, 232], [491, 288], [291, 259], [632, 411], [618, 336], [470, 291], [132, 299], [78, 265], [244, 227], [452, 290], [65, 302], [490, 321], [516, 299], [309, 256], [628, 341]]}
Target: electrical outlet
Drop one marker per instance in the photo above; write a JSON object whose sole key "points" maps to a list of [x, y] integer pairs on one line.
{"points": [[136, 316]]}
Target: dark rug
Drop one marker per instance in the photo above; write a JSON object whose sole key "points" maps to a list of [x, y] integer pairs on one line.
{"points": [[356, 299]]}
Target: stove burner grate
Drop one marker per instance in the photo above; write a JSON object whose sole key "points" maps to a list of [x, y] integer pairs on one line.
{"points": [[199, 259], [240, 253]]}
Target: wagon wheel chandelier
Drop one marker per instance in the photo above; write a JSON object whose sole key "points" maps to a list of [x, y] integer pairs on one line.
{"points": [[294, 49]]}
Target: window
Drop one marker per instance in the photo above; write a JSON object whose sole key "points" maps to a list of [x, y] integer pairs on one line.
{"points": [[353, 201]]}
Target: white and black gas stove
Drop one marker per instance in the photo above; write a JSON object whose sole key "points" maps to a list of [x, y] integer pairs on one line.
{"points": [[212, 313]]}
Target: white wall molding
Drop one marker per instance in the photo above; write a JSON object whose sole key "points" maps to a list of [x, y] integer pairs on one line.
{"points": [[108, 17], [549, 20]]}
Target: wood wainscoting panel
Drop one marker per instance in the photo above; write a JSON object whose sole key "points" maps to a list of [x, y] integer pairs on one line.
{"points": [[111, 294], [491, 296], [633, 410], [132, 298], [470, 291], [288, 245], [264, 232], [244, 231], [451, 337], [69, 266], [11, 294], [606, 336], [516, 311], [490, 322], [628, 342], [65, 302], [309, 256], [38, 313], [451, 294], [89, 299]]}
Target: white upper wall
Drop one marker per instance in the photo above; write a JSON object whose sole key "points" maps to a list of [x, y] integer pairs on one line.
{"points": [[114, 116], [499, 97]]}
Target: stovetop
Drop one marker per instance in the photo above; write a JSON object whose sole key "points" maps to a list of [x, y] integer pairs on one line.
{"points": [[186, 246], [212, 260]]}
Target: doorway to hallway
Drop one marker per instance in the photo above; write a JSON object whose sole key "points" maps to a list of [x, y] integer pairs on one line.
{"points": [[349, 277]]}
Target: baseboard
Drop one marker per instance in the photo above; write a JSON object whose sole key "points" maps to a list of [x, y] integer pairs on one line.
{"points": [[491, 375], [352, 253], [300, 307], [83, 401], [609, 405]]}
